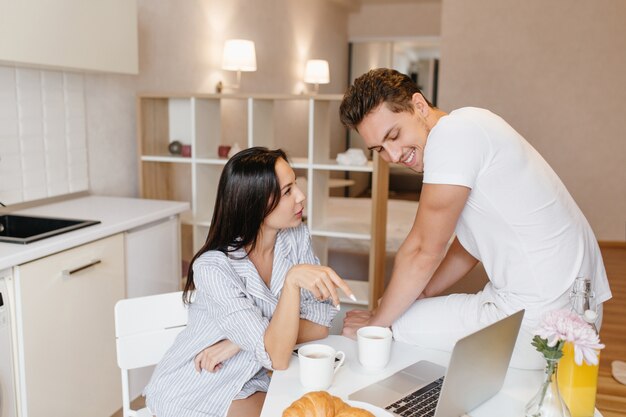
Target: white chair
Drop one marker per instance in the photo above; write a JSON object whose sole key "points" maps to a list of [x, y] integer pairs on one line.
{"points": [[145, 327]]}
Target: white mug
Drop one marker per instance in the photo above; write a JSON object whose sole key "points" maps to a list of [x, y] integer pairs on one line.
{"points": [[317, 365], [374, 347]]}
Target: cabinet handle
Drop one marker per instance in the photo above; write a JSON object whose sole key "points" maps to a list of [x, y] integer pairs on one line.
{"points": [[67, 272]]}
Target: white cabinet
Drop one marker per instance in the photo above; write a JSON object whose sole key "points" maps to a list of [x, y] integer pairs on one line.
{"points": [[8, 403], [206, 121], [66, 336], [152, 267], [73, 34], [153, 258]]}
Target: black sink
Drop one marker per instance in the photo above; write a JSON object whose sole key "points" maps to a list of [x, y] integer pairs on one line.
{"points": [[27, 229]]}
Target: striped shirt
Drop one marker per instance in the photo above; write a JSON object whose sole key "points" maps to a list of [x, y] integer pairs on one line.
{"points": [[231, 302]]}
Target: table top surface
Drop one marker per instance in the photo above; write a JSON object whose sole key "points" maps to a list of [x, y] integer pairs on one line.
{"points": [[519, 385]]}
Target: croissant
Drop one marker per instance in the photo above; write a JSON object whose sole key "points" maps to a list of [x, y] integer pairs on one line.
{"points": [[322, 404]]}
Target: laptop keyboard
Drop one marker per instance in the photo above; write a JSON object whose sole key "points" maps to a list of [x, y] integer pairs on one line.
{"points": [[421, 403]]}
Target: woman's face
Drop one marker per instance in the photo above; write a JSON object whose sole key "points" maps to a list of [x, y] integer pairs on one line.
{"points": [[288, 212]]}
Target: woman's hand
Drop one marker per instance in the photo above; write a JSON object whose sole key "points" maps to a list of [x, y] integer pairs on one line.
{"points": [[322, 281], [211, 358]]}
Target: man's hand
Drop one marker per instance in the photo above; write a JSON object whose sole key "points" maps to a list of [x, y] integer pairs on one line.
{"points": [[211, 358], [354, 320]]}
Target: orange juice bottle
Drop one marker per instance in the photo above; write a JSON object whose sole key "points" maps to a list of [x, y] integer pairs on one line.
{"points": [[578, 383]]}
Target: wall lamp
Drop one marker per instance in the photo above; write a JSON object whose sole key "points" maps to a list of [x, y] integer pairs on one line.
{"points": [[316, 72], [239, 55]]}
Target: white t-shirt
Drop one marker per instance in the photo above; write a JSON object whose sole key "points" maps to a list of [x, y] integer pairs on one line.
{"points": [[519, 220]]}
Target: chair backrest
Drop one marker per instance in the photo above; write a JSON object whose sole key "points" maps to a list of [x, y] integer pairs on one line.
{"points": [[145, 327]]}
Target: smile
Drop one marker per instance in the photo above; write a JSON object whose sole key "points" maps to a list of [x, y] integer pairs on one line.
{"points": [[410, 158]]}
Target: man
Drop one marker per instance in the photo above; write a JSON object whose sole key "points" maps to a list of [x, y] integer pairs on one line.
{"points": [[485, 183]]}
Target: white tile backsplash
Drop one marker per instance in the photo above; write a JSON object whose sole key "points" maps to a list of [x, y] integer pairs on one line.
{"points": [[12, 195], [10, 166], [43, 144], [10, 146], [8, 126], [32, 143], [35, 193]]}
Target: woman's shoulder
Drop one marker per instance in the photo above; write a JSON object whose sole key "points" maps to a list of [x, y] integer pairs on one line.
{"points": [[213, 266], [212, 257]]}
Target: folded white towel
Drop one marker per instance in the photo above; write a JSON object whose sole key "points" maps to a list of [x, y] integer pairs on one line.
{"points": [[353, 156]]}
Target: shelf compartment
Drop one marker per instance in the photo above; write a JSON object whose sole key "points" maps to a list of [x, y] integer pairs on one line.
{"points": [[290, 120], [360, 290], [330, 165], [359, 286], [207, 123], [173, 159], [206, 180], [166, 181], [333, 231], [153, 125], [298, 162], [212, 161]]}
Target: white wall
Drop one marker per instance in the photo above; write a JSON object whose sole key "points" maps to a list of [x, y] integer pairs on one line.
{"points": [[555, 71]]}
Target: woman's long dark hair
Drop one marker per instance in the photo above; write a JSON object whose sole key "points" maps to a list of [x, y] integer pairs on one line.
{"points": [[248, 191]]}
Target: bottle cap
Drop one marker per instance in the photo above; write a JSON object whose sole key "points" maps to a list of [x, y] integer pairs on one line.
{"points": [[590, 316]]}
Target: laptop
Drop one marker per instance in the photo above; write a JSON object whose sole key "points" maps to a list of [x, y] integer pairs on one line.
{"points": [[476, 372]]}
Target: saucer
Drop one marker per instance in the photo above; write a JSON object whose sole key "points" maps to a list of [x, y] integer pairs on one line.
{"points": [[377, 411]]}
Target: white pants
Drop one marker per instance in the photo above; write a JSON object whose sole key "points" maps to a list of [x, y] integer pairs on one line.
{"points": [[438, 322]]}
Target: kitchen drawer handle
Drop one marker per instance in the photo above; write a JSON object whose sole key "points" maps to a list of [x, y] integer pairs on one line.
{"points": [[67, 272]]}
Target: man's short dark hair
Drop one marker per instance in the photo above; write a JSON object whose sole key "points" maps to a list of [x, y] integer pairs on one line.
{"points": [[373, 88]]}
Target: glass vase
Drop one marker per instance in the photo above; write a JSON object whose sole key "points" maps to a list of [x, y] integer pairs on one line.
{"points": [[577, 383], [547, 402]]}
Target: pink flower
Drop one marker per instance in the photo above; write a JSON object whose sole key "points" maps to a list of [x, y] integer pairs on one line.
{"points": [[568, 326]]}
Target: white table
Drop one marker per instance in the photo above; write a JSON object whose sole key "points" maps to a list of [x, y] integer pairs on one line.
{"points": [[519, 385]]}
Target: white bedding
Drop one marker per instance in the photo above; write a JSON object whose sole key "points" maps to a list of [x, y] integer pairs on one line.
{"points": [[357, 212]]}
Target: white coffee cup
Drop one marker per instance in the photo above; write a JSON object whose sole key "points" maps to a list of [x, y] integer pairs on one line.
{"points": [[317, 365], [374, 347]]}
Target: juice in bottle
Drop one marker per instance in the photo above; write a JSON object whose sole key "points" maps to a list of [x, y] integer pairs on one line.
{"points": [[577, 383]]}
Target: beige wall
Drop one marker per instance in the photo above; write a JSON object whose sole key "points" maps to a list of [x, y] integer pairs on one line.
{"points": [[555, 71], [180, 46], [393, 20]]}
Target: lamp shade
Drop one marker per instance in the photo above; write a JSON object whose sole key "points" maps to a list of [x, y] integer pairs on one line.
{"points": [[316, 72], [239, 55]]}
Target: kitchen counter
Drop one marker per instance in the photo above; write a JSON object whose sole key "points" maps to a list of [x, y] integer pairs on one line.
{"points": [[116, 214]]}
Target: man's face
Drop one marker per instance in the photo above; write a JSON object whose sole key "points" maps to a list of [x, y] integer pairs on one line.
{"points": [[400, 138]]}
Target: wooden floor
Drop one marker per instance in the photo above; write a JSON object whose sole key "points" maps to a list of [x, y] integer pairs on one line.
{"points": [[611, 400]]}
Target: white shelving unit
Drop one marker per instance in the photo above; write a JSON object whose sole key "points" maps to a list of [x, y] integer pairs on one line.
{"points": [[207, 121]]}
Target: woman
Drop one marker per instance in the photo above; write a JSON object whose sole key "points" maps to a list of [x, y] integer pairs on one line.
{"points": [[257, 288]]}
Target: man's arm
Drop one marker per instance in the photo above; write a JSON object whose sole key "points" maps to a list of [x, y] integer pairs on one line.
{"points": [[457, 263], [420, 254]]}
